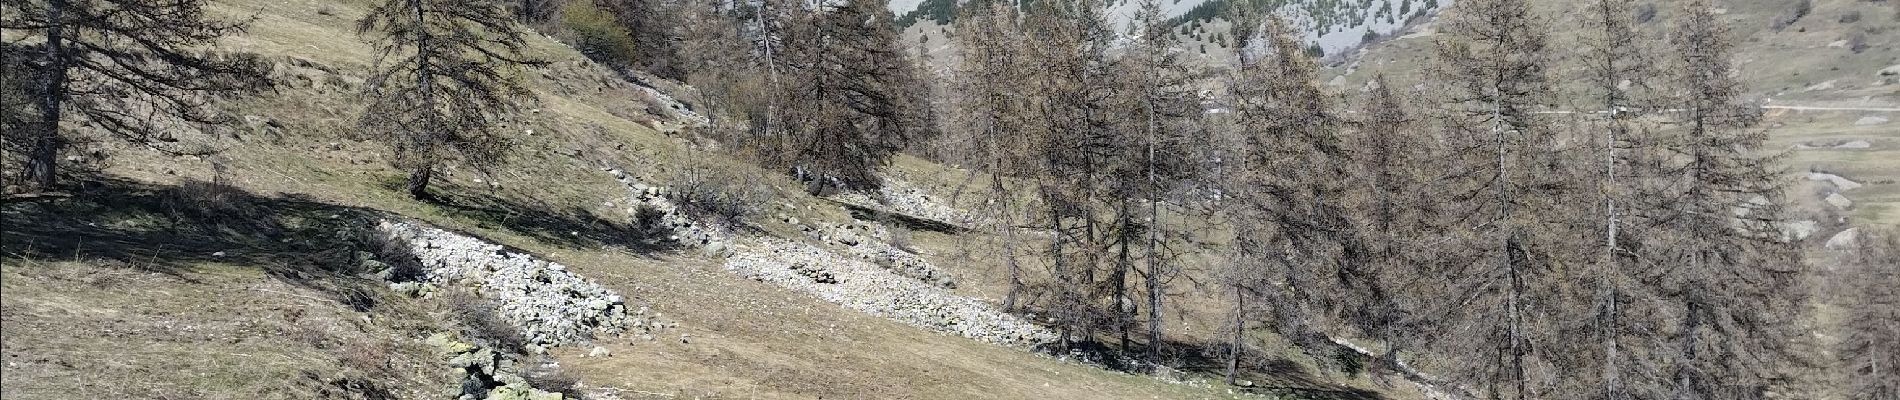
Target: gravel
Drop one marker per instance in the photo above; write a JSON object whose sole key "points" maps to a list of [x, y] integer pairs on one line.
{"points": [[861, 286], [871, 242]]}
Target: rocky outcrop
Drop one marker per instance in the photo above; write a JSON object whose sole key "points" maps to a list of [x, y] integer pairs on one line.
{"points": [[485, 373], [550, 305], [858, 285]]}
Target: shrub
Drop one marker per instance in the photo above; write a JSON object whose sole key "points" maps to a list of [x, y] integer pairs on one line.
{"points": [[203, 200], [547, 375], [479, 323], [719, 194], [1857, 43], [1645, 13], [596, 34], [536, 12], [1800, 10], [1850, 17], [721, 201], [901, 238]]}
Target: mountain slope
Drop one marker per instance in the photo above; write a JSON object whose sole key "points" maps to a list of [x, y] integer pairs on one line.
{"points": [[557, 199]]}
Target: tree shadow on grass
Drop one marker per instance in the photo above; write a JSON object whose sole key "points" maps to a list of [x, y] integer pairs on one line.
{"points": [[569, 227], [1271, 375], [171, 229], [308, 243]]}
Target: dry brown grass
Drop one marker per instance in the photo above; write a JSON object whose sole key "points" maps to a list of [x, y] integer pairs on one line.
{"points": [[105, 329]]}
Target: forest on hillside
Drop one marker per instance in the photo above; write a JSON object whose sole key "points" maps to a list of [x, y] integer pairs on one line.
{"points": [[1489, 241]]}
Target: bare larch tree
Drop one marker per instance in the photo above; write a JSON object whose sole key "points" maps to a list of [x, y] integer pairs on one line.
{"points": [[1732, 281], [1869, 350], [1503, 309]]}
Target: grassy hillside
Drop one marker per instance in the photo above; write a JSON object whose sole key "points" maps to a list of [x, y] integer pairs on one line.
{"points": [[135, 276]]}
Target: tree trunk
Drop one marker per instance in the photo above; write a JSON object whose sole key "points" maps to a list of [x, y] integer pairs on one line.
{"points": [[1154, 224], [1009, 235], [43, 158], [1154, 288], [424, 170], [418, 185], [1123, 263], [1240, 331]]}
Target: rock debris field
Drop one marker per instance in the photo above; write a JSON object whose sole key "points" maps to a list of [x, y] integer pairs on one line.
{"points": [[902, 198], [549, 304], [867, 288]]}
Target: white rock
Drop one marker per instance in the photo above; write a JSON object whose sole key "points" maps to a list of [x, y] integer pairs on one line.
{"points": [[1840, 183], [1799, 230], [1839, 201], [599, 352], [1890, 71], [1838, 44], [1870, 120], [1843, 240], [1829, 85], [1857, 144]]}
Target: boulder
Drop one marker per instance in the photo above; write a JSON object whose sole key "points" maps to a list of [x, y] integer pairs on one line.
{"points": [[1840, 183], [1839, 201], [1844, 240], [448, 345], [521, 392], [1857, 144], [1870, 120], [1890, 71], [1798, 230]]}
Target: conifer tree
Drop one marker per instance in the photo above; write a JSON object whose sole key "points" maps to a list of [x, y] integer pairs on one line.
{"points": [[1503, 309], [1733, 282], [1869, 351], [1291, 229], [1163, 117], [1392, 214], [114, 65], [1618, 69], [442, 85], [856, 100], [994, 112]]}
